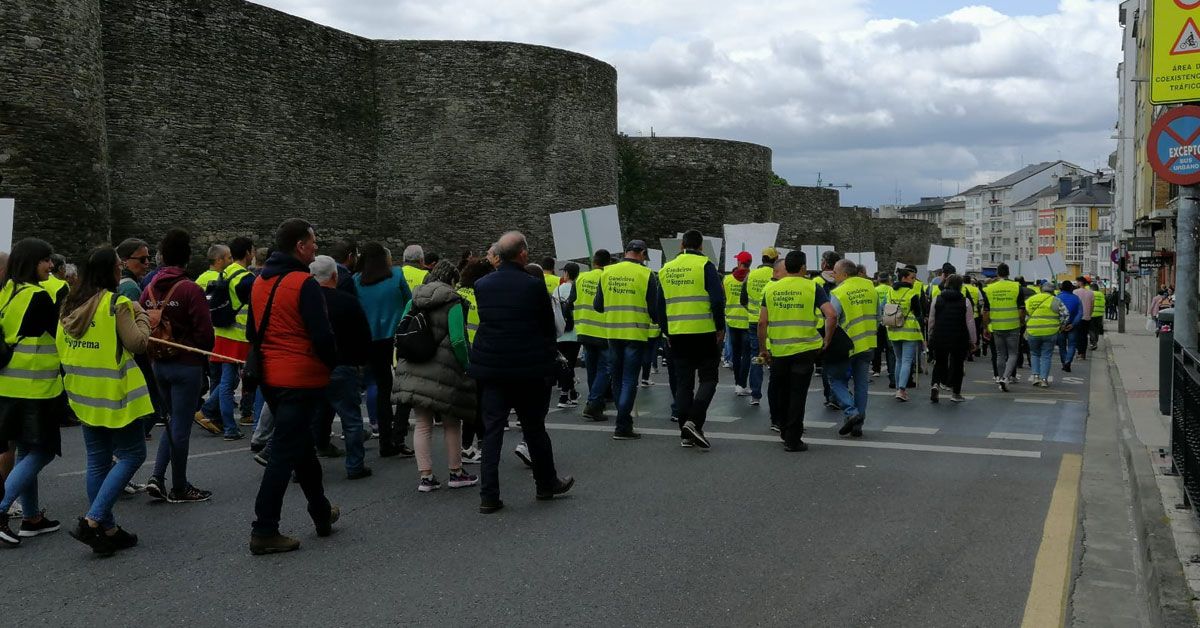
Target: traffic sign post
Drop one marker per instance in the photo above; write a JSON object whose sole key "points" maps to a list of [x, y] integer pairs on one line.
{"points": [[1141, 243], [1175, 52]]}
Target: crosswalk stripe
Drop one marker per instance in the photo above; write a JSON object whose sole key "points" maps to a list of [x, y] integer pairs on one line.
{"points": [[900, 429], [1016, 436]]}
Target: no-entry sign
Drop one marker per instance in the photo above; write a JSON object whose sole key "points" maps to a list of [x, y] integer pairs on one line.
{"points": [[1173, 148]]}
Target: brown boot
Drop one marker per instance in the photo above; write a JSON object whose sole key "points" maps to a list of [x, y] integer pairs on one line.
{"points": [[275, 544]]}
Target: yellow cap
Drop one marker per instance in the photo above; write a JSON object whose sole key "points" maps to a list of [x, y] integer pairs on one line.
{"points": [[770, 252]]}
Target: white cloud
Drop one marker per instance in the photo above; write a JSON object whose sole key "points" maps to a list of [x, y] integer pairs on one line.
{"points": [[829, 86]]}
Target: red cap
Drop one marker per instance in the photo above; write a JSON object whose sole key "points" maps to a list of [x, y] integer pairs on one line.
{"points": [[744, 257]]}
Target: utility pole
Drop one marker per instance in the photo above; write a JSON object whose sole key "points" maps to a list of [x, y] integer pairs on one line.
{"points": [[1121, 296], [1186, 269]]}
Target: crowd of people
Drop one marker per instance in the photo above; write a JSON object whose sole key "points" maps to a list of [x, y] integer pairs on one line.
{"points": [[283, 340]]}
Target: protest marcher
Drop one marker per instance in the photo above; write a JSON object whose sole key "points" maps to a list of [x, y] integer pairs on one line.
{"points": [[474, 270], [854, 301], [384, 293], [952, 337]]}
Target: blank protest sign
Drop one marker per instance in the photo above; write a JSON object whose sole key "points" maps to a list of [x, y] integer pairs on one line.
{"points": [[939, 255], [7, 211], [865, 259], [578, 234], [752, 237]]}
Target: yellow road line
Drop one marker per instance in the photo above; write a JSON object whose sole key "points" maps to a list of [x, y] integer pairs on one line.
{"points": [[1047, 602]]}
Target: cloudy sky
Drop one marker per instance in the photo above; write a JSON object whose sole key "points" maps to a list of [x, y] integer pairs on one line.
{"points": [[927, 96]]}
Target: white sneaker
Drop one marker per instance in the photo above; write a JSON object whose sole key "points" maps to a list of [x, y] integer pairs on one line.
{"points": [[472, 456], [741, 391], [522, 452], [726, 364], [754, 402]]}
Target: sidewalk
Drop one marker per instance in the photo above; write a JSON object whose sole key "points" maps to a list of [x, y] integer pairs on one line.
{"points": [[1168, 536]]}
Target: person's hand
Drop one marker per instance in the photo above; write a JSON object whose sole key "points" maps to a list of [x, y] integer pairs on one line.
{"points": [[765, 356], [721, 337], [1067, 327]]}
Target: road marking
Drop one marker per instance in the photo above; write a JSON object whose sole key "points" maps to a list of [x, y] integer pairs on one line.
{"points": [[208, 454], [723, 419], [822, 424], [900, 429], [1047, 601], [866, 444], [1015, 436], [1048, 402]]}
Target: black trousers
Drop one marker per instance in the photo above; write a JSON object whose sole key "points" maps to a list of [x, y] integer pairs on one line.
{"points": [[566, 377], [948, 366], [295, 410], [530, 398], [787, 392], [692, 401], [323, 425], [883, 349], [393, 426], [1081, 332]]}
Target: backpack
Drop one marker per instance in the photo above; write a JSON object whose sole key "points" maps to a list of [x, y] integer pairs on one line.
{"points": [[6, 350], [160, 328], [414, 337], [220, 302], [893, 316]]}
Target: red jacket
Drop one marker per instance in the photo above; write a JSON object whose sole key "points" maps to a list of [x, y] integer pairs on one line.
{"points": [[297, 346]]}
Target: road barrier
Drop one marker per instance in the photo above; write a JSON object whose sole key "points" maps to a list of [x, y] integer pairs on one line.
{"points": [[1185, 421]]}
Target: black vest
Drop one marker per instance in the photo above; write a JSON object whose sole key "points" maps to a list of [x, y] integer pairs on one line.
{"points": [[950, 321]]}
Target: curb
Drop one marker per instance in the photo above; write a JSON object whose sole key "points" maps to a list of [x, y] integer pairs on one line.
{"points": [[1168, 596]]}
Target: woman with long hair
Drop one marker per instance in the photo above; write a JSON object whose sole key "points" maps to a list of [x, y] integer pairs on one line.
{"points": [[31, 399], [439, 386], [952, 337], [384, 294], [99, 333]]}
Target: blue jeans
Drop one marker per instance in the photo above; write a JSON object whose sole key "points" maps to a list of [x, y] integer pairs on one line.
{"points": [[595, 362], [343, 395], [906, 356], [1041, 351], [651, 355], [740, 356], [625, 360], [106, 480], [23, 480], [1066, 346], [858, 368], [212, 403], [180, 386], [755, 372]]}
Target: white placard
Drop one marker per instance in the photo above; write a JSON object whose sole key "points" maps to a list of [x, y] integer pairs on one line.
{"points": [[654, 261], [752, 237], [939, 255], [1018, 268], [7, 211], [1047, 267], [812, 254], [670, 248], [578, 234], [712, 248], [866, 259]]}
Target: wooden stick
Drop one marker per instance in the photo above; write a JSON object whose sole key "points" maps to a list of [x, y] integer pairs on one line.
{"points": [[195, 350]]}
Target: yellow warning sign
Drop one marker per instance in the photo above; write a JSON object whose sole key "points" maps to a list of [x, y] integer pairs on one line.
{"points": [[1175, 66]]}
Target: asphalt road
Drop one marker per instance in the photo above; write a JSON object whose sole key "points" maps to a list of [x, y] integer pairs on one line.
{"points": [[933, 519]]}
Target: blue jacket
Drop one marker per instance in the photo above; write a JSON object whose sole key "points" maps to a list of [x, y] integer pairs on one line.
{"points": [[383, 303], [1074, 307], [516, 336]]}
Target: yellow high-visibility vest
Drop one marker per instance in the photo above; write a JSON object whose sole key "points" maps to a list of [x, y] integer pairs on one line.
{"points": [[206, 277], [624, 285], [735, 315], [53, 285], [1002, 305], [688, 307], [1042, 321], [912, 327], [551, 283], [860, 308], [104, 385], [589, 322], [33, 372], [413, 276], [756, 282], [976, 301], [235, 273], [1098, 304], [468, 295], [792, 322]]}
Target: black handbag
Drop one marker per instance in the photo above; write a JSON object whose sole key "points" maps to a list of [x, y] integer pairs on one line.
{"points": [[414, 337], [252, 370]]}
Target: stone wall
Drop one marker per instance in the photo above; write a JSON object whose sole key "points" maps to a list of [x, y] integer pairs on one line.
{"points": [[479, 137], [225, 117], [675, 183], [53, 156]]}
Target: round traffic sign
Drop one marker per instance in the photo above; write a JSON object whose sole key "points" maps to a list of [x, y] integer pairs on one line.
{"points": [[1116, 254], [1187, 4], [1173, 147]]}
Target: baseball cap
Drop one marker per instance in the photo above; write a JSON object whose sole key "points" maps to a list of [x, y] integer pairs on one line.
{"points": [[744, 257], [770, 252], [636, 245]]}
